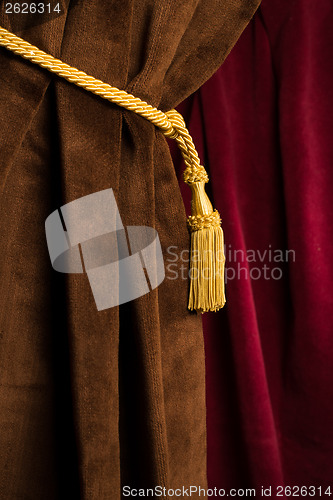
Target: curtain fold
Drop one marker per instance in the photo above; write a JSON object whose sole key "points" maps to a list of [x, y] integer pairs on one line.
{"points": [[92, 401]]}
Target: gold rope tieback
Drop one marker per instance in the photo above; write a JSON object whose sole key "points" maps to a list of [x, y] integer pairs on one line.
{"points": [[207, 249]]}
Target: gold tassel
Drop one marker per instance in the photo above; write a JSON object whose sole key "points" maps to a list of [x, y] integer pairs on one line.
{"points": [[207, 247], [207, 252]]}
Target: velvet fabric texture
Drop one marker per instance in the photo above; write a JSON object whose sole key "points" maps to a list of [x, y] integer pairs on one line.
{"points": [[91, 401], [263, 123]]}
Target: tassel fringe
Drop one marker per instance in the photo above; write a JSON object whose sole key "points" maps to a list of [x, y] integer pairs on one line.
{"points": [[207, 265]]}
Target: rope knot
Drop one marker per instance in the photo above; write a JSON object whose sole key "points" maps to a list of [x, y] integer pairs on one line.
{"points": [[198, 222], [176, 124], [195, 173]]}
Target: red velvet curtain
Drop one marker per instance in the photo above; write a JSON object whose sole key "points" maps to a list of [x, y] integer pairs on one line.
{"points": [[263, 125]]}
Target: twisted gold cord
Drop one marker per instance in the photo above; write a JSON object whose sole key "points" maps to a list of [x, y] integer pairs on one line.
{"points": [[204, 223], [170, 123]]}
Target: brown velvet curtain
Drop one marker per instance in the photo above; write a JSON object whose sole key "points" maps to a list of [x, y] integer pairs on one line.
{"points": [[92, 401]]}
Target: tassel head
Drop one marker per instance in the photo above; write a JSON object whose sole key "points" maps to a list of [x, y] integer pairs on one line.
{"points": [[207, 253]]}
